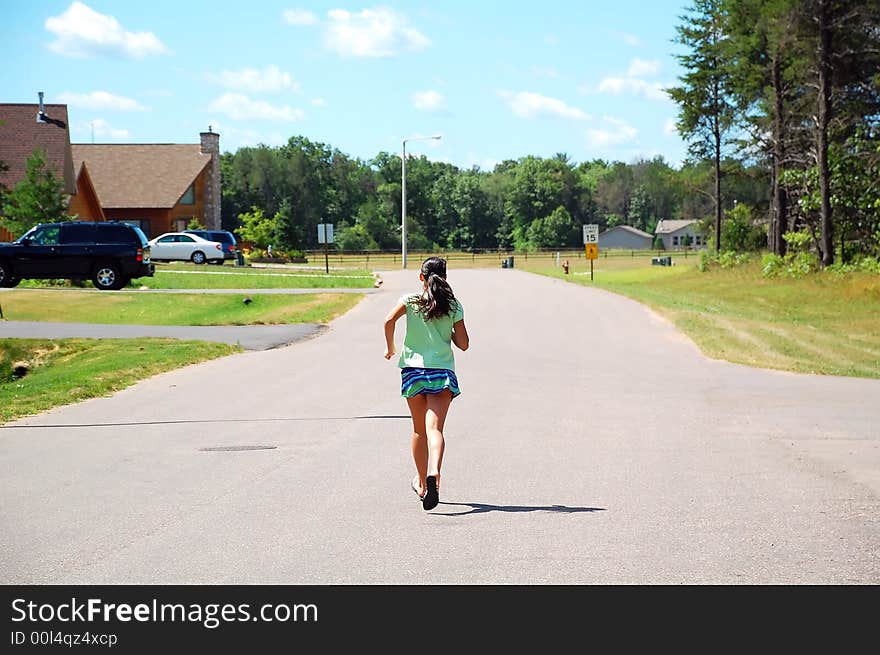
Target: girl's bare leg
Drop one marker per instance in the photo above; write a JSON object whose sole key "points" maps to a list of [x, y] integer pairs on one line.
{"points": [[417, 409], [437, 406]]}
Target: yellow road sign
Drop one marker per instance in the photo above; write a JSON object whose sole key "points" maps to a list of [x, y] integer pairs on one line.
{"points": [[592, 250]]}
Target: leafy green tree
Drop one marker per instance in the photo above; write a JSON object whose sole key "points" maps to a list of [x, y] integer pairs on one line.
{"points": [[355, 238], [256, 227], [613, 195], [739, 233], [38, 198], [768, 69], [845, 61]]}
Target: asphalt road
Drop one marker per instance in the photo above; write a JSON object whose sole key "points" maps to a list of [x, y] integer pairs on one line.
{"points": [[592, 444]]}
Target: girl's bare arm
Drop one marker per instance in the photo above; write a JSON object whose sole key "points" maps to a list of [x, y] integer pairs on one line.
{"points": [[398, 311], [460, 335]]}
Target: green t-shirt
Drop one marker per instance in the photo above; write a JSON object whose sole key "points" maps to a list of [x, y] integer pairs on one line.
{"points": [[428, 344]]}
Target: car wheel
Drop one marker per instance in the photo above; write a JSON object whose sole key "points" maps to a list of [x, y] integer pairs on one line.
{"points": [[198, 257], [6, 279], [108, 278]]}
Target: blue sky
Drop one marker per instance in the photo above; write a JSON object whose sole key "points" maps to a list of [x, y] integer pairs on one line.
{"points": [[498, 80]]}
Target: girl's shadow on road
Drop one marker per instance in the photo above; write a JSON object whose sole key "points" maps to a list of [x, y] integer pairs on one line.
{"points": [[481, 508]]}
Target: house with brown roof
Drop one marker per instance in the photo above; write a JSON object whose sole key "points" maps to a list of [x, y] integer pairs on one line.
{"points": [[160, 187]]}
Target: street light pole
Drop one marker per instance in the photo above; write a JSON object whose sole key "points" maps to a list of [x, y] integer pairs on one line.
{"points": [[403, 194]]}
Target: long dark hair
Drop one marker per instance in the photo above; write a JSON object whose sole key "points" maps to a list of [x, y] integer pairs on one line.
{"points": [[438, 299]]}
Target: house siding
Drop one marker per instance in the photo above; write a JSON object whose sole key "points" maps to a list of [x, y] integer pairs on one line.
{"points": [[615, 238], [669, 240], [85, 205]]}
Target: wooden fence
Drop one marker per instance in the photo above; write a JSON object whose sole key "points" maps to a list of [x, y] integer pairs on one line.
{"points": [[6, 235]]}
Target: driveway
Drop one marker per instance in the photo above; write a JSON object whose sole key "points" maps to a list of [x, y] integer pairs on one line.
{"points": [[592, 444], [249, 337]]}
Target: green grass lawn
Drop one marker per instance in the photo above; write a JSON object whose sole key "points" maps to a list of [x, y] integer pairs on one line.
{"points": [[66, 371], [72, 306], [191, 276], [823, 323]]}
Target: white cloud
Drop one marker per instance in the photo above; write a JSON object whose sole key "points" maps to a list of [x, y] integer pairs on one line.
{"points": [[82, 32], [427, 100], [241, 107], [636, 86], [269, 80], [101, 129], [530, 105], [669, 126], [299, 17], [641, 67], [371, 33], [100, 100], [618, 132], [319, 102]]}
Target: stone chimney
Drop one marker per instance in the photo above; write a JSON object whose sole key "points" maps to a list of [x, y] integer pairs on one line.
{"points": [[210, 141]]}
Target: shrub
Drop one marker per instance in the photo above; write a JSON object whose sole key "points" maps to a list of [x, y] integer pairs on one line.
{"points": [[800, 259]]}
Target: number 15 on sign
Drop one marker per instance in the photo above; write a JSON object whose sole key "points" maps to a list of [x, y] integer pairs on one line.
{"points": [[591, 234]]}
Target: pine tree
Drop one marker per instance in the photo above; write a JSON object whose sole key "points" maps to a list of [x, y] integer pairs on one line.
{"points": [[706, 112]]}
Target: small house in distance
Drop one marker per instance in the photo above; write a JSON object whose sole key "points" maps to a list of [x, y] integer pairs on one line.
{"points": [[679, 234], [626, 237]]}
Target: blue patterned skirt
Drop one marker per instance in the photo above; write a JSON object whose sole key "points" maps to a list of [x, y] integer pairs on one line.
{"points": [[427, 380]]}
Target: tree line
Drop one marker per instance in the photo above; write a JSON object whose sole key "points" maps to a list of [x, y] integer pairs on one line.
{"points": [[278, 195], [792, 86]]}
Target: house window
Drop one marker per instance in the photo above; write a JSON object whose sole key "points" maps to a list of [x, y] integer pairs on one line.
{"points": [[674, 241], [180, 224], [697, 240], [189, 196]]}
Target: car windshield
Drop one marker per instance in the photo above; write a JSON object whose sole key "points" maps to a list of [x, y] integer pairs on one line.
{"points": [[27, 235]]}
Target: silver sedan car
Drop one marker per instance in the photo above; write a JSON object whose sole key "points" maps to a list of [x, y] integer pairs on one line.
{"points": [[179, 246]]}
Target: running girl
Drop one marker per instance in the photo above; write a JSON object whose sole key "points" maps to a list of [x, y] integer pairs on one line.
{"points": [[434, 321]]}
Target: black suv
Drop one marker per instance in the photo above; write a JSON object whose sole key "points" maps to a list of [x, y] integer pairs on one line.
{"points": [[108, 253], [224, 238]]}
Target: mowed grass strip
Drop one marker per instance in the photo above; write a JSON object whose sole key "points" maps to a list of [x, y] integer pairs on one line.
{"points": [[191, 276], [64, 371], [72, 306], [822, 323]]}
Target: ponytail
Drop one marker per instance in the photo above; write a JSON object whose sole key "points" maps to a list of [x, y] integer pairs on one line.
{"points": [[438, 298]]}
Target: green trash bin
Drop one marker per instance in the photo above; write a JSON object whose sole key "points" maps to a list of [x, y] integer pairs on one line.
{"points": [[510, 262]]}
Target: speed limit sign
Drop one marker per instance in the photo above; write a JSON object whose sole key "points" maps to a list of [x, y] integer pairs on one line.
{"points": [[591, 234]]}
